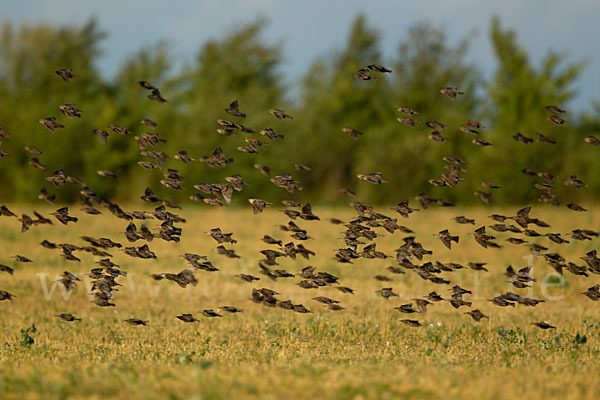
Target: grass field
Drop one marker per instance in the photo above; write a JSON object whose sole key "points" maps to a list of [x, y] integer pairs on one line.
{"points": [[361, 352]]}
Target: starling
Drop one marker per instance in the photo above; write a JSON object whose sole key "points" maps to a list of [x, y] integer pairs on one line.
{"points": [[454, 160], [456, 301], [247, 278], [62, 215], [4, 295], [404, 209], [379, 68], [543, 325], [523, 139], [578, 234], [406, 308], [408, 121], [456, 289], [286, 182], [481, 142], [593, 293], [67, 278], [592, 140], [433, 296], [187, 318], [490, 185], [50, 123], [272, 256], [231, 309], [530, 302], [66, 74], [135, 321], [407, 111], [237, 182], [519, 285], [299, 308], [221, 237], [183, 157], [556, 120], [374, 178], [233, 109], [221, 250], [271, 134], [438, 126], [477, 315], [70, 110], [451, 92], [155, 95], [48, 245], [44, 195], [33, 150], [446, 238], [280, 114], [575, 183], [353, 133], [576, 269], [544, 139], [102, 134], [555, 110], [247, 149], [411, 322], [67, 317], [386, 293], [307, 214], [477, 266], [484, 196], [26, 222], [437, 137], [325, 300], [501, 302], [269, 240], [345, 289], [91, 210], [510, 296], [149, 123], [468, 130], [21, 259], [210, 313], [422, 305], [6, 268], [263, 168], [259, 205], [106, 173], [364, 74], [575, 207], [481, 237], [119, 129]]}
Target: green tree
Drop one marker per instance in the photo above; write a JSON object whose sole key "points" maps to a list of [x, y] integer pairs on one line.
{"points": [[519, 94], [332, 99], [241, 66], [31, 91]]}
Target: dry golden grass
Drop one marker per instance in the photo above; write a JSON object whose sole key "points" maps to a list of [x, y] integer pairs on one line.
{"points": [[361, 352]]}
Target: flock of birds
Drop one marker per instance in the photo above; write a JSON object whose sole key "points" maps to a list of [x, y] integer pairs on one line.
{"points": [[358, 237]]}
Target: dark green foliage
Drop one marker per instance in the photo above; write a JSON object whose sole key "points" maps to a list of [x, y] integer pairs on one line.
{"points": [[244, 65], [26, 339]]}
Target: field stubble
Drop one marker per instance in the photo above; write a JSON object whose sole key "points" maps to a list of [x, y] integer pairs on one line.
{"points": [[363, 351]]}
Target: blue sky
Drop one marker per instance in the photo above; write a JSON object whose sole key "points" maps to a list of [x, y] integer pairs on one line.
{"points": [[311, 28]]}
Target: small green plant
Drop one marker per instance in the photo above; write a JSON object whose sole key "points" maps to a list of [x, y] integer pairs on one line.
{"points": [[579, 339], [26, 339]]}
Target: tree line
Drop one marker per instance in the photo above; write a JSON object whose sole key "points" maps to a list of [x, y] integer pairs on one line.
{"points": [[242, 66]]}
